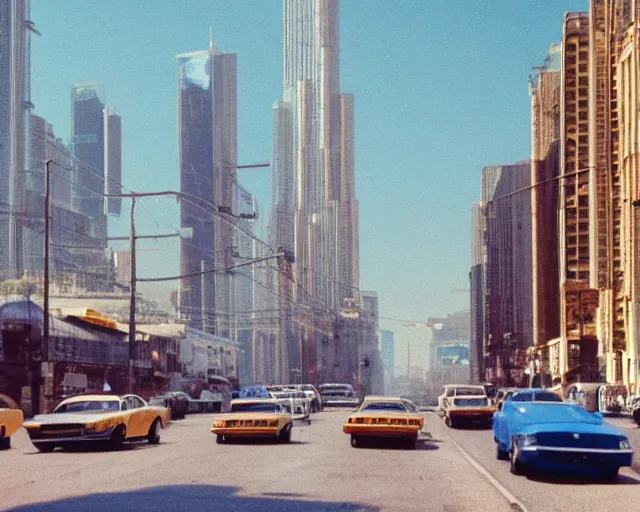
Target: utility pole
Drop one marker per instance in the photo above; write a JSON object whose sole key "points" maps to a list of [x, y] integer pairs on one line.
{"points": [[45, 291], [132, 300]]}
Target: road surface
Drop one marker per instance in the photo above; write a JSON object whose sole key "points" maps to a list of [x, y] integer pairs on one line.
{"points": [[317, 471]]}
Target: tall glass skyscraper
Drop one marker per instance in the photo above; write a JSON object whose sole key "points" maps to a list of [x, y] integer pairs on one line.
{"points": [[315, 211], [14, 130], [207, 139]]}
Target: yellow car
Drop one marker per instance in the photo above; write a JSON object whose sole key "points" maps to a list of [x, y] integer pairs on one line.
{"points": [[253, 417], [10, 423], [97, 418], [384, 417]]}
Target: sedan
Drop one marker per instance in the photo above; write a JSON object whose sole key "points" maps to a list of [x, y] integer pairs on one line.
{"points": [[535, 429]]}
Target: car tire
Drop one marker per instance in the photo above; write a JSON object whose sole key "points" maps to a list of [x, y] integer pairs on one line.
{"points": [[154, 432], [610, 474], [219, 439], [412, 443], [500, 453], [5, 442], [636, 416], [44, 447], [118, 437], [355, 442], [285, 435], [517, 468]]}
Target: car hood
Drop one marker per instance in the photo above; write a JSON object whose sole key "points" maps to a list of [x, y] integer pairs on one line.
{"points": [[577, 428], [72, 417]]}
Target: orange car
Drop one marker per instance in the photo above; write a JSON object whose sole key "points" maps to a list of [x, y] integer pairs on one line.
{"points": [[10, 423], [384, 417], [97, 418]]}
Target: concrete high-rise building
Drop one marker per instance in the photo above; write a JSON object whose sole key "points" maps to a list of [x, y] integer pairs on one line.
{"points": [[476, 335], [374, 370], [15, 28], [577, 347], [544, 91], [207, 138], [388, 360], [507, 271], [112, 160], [313, 166]]}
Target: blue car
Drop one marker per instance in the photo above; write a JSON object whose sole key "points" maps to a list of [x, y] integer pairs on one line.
{"points": [[535, 429]]}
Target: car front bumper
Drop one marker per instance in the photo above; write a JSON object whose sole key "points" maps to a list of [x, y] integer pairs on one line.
{"points": [[246, 431], [552, 457], [40, 438]]}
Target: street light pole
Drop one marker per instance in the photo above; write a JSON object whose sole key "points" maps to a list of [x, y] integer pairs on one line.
{"points": [[132, 299], [45, 291]]}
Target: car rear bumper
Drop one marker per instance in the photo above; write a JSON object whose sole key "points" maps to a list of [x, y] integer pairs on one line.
{"points": [[358, 429], [588, 458], [336, 402], [471, 412], [246, 431]]}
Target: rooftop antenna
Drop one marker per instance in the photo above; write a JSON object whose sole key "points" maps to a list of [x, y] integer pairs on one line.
{"points": [[210, 38]]}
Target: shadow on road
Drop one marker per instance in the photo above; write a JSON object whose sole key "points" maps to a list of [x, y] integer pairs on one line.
{"points": [[578, 479], [191, 497], [258, 441]]}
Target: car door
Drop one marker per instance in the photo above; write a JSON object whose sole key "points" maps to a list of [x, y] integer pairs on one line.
{"points": [[136, 427]]}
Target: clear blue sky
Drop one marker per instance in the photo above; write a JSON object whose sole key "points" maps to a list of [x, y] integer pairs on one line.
{"points": [[440, 91]]}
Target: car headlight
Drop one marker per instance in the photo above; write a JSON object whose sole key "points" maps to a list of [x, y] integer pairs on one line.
{"points": [[526, 440], [625, 444]]}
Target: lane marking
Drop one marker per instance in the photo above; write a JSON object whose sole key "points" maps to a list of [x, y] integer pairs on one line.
{"points": [[514, 502]]}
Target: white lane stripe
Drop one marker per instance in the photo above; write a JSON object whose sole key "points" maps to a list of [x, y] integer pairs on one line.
{"points": [[515, 503]]}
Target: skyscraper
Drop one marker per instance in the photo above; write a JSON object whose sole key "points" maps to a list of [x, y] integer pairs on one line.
{"points": [[207, 137], [388, 360], [313, 166], [14, 130]]}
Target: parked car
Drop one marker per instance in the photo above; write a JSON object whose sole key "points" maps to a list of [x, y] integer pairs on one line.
{"points": [[535, 429], [10, 423], [314, 396], [176, 401], [598, 396], [384, 417], [97, 418], [253, 417]]}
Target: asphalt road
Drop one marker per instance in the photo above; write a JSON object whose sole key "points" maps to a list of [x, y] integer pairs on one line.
{"points": [[552, 493], [317, 471]]}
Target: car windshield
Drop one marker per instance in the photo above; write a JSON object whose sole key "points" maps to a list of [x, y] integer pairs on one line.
{"points": [[89, 406], [384, 406], [253, 407], [546, 396]]}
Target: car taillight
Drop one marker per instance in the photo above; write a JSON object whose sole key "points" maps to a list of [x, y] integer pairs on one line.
{"points": [[359, 420], [273, 423]]}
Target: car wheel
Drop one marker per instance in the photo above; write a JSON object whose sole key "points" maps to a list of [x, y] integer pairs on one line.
{"points": [[412, 443], [220, 439], [636, 416], [285, 435], [355, 442], [517, 468], [118, 437], [44, 447], [5, 442], [500, 453], [154, 432], [610, 474]]}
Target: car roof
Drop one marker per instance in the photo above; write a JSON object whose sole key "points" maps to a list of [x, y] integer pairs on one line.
{"points": [[475, 386], [92, 398]]}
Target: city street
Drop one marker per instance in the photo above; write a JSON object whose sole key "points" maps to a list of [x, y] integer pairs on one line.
{"points": [[317, 471]]}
